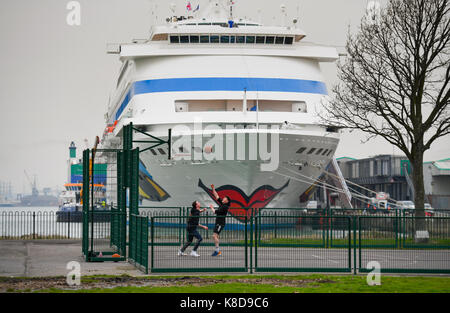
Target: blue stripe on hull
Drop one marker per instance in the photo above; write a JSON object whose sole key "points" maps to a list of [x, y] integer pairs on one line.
{"points": [[222, 84]]}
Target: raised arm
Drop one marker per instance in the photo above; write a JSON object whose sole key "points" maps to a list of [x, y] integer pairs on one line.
{"points": [[216, 195]]}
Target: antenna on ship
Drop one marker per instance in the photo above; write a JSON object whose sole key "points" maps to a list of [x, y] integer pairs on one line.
{"points": [[283, 11], [297, 19], [231, 10]]}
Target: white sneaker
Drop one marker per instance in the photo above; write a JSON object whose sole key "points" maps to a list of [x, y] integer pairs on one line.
{"points": [[194, 253], [181, 253]]}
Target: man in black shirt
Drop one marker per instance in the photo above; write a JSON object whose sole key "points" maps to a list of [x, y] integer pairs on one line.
{"points": [[192, 224], [221, 213]]}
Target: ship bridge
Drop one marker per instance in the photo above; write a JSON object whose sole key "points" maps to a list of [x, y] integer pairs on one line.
{"points": [[214, 62], [216, 31]]}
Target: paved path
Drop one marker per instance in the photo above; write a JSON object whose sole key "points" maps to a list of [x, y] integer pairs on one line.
{"points": [[49, 258]]}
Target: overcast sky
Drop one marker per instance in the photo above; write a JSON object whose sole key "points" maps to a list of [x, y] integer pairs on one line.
{"points": [[56, 78]]}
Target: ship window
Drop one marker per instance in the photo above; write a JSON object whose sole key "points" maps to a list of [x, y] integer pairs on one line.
{"points": [[161, 151], [288, 40], [312, 150], [153, 152], [329, 152], [203, 105], [174, 39], [240, 39], [195, 39], [184, 39], [224, 39], [204, 39], [260, 39], [323, 153], [250, 39], [214, 39], [301, 150], [319, 151], [279, 40], [270, 39], [204, 23], [232, 39]]}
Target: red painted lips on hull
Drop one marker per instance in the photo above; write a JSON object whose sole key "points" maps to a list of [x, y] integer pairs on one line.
{"points": [[260, 198]]}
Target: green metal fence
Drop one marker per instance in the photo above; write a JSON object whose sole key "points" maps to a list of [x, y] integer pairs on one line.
{"points": [[301, 244], [165, 245], [104, 211], [263, 242], [118, 230], [404, 244], [138, 248]]}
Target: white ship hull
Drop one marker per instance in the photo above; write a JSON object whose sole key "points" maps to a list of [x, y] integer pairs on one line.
{"points": [[177, 182]]}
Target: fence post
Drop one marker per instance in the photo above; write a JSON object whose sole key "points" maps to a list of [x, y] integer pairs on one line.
{"points": [[251, 241], [152, 235], [145, 244], [207, 221], [34, 225], [179, 226], [396, 230], [276, 225], [354, 219], [256, 237], [68, 226], [246, 245], [359, 240], [349, 229]]}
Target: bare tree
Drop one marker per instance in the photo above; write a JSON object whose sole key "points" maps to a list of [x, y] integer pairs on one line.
{"points": [[395, 81]]}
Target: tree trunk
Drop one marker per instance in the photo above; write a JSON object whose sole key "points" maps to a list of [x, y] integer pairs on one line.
{"points": [[421, 234], [419, 187]]}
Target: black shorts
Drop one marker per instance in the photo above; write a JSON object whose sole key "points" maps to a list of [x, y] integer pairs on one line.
{"points": [[218, 228]]}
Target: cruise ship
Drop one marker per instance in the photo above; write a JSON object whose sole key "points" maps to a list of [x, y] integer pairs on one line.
{"points": [[241, 99]]}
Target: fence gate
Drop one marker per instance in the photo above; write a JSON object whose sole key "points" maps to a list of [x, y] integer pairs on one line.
{"points": [[104, 206], [138, 225]]}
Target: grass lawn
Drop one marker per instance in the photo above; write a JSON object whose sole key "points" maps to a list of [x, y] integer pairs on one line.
{"points": [[257, 284]]}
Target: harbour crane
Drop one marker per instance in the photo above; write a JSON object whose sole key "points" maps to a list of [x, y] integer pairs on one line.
{"points": [[34, 190]]}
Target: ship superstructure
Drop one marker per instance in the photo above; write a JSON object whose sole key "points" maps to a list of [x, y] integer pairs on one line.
{"points": [[241, 99]]}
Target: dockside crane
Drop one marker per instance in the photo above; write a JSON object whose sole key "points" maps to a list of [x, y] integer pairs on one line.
{"points": [[34, 190]]}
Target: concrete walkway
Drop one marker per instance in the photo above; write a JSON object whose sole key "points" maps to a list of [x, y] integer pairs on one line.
{"points": [[49, 258]]}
